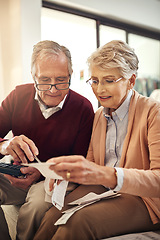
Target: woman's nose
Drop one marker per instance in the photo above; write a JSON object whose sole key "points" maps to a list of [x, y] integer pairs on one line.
{"points": [[100, 88]]}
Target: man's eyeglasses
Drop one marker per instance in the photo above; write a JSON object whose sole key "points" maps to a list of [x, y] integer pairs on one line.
{"points": [[94, 82], [47, 86]]}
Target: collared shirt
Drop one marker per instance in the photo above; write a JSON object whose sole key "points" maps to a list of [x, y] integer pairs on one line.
{"points": [[48, 111], [116, 132]]}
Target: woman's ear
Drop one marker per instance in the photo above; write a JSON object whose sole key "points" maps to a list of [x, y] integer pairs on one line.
{"points": [[132, 81]]}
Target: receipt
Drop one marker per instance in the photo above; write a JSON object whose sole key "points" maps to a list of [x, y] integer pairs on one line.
{"points": [[59, 193], [68, 213], [94, 197], [44, 169]]}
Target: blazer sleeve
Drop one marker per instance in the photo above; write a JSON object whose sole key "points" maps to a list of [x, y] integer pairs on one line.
{"points": [[142, 167]]}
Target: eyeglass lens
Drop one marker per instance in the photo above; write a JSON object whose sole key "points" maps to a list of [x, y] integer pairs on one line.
{"points": [[58, 86]]}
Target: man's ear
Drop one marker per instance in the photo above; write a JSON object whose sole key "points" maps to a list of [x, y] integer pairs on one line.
{"points": [[32, 76], [132, 81]]}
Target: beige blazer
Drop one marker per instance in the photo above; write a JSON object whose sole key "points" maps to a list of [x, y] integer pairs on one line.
{"points": [[141, 151]]}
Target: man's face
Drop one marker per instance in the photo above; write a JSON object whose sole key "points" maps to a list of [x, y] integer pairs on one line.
{"points": [[52, 70]]}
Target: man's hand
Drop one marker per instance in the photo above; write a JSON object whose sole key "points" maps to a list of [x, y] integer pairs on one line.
{"points": [[19, 148], [32, 175]]}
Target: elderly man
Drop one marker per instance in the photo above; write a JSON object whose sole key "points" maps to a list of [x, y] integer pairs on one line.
{"points": [[47, 119]]}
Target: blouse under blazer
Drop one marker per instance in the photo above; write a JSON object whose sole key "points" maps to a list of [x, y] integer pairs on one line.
{"points": [[141, 151]]}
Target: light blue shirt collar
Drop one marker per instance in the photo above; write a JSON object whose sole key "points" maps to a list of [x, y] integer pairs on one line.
{"points": [[122, 110]]}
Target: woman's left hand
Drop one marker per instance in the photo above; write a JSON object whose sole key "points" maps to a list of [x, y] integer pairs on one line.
{"points": [[78, 169]]}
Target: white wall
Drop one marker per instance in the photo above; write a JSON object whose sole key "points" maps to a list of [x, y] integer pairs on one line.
{"points": [[10, 55], [30, 33], [20, 29]]}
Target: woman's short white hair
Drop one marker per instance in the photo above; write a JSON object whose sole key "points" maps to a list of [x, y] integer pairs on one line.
{"points": [[115, 54], [46, 49]]}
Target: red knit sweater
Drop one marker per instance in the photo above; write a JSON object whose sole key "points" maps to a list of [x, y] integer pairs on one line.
{"points": [[66, 132]]}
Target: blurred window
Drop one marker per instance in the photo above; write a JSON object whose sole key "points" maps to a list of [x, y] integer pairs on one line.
{"points": [[148, 52], [108, 34], [78, 34]]}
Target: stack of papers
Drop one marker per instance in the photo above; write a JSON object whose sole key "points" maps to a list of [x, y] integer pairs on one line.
{"points": [[94, 197], [80, 203]]}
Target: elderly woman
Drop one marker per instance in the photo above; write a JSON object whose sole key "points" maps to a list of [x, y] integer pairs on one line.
{"points": [[124, 155]]}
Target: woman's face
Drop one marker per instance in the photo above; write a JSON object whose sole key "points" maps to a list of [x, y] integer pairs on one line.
{"points": [[110, 94]]}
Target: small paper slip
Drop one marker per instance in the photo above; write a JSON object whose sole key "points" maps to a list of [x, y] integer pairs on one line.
{"points": [[44, 169], [68, 213], [94, 197], [59, 194]]}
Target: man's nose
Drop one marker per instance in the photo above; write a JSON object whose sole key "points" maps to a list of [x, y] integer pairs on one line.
{"points": [[53, 89]]}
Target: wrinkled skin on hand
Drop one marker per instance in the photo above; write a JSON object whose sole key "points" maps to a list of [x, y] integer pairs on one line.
{"points": [[83, 171], [20, 148], [32, 176]]}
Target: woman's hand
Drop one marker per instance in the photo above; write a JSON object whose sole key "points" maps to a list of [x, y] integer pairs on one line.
{"points": [[83, 171], [51, 184]]}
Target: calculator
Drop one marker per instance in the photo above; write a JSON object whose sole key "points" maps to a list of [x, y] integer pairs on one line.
{"points": [[14, 170]]}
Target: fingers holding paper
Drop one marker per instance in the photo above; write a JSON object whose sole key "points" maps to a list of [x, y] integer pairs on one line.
{"points": [[78, 169], [75, 169]]}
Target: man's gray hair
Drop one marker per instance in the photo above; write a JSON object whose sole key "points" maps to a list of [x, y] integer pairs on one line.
{"points": [[47, 49]]}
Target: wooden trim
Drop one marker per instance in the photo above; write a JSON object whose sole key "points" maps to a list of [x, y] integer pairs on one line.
{"points": [[97, 33]]}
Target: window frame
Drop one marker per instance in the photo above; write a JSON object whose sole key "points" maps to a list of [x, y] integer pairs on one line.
{"points": [[129, 28]]}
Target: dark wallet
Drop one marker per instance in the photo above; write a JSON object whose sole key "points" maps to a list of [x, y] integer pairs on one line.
{"points": [[11, 169]]}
